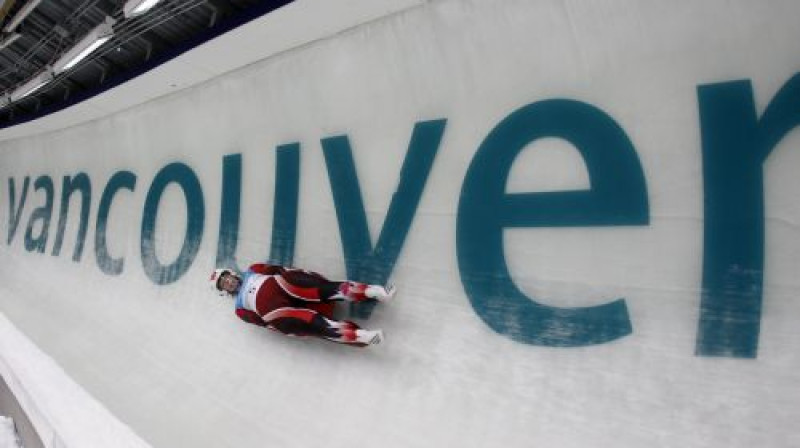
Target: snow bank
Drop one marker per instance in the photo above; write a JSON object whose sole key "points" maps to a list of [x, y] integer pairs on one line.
{"points": [[63, 414], [8, 434]]}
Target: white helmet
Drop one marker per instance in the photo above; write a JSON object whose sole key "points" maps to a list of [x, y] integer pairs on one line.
{"points": [[216, 275]]}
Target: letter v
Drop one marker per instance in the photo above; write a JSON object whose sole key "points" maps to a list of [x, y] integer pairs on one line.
{"points": [[363, 262], [14, 213]]}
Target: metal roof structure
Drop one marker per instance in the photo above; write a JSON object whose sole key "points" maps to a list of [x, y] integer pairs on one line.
{"points": [[30, 44]]}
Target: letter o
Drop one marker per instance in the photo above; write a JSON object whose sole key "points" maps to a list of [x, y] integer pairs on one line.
{"points": [[186, 179]]}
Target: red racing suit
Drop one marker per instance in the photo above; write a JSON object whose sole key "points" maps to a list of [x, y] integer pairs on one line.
{"points": [[296, 302]]}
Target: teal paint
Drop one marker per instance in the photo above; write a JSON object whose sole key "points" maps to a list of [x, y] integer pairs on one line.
{"points": [[735, 146], [108, 264], [40, 214], [183, 176], [618, 196], [284, 221], [363, 261], [230, 212], [15, 211], [287, 196], [71, 185]]}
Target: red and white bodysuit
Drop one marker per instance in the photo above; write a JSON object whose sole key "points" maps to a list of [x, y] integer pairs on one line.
{"points": [[300, 303]]}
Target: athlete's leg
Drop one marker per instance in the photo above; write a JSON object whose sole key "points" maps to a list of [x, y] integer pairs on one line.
{"points": [[360, 292], [315, 288], [306, 322]]}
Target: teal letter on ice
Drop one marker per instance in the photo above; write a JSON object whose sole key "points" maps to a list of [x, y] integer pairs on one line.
{"points": [[15, 212], [735, 146], [618, 196], [107, 264], [185, 178], [365, 263], [230, 211], [80, 183], [284, 221], [284, 214], [43, 214]]}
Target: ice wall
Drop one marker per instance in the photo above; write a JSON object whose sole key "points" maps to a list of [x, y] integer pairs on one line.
{"points": [[590, 208]]}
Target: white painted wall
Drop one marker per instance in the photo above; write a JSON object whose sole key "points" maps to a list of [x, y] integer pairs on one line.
{"points": [[49, 408], [175, 364]]}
